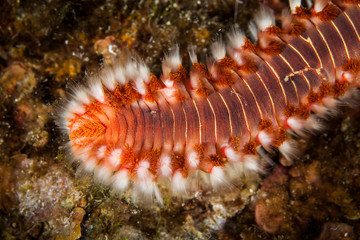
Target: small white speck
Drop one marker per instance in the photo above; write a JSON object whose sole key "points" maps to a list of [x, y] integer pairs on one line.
{"points": [[111, 49]]}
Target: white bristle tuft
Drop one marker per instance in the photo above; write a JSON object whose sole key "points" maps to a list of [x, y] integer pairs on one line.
{"points": [[319, 5], [332, 105], [82, 153], [89, 165], [313, 123], [120, 75], [145, 190], [251, 163], [108, 79], [75, 107], [320, 109], [158, 194], [144, 72], [142, 171], [165, 166], [192, 54], [115, 157], [170, 93], [178, 147], [264, 18], [218, 177], [193, 159], [178, 184], [131, 70], [121, 180], [82, 96], [294, 3], [296, 124], [309, 3], [234, 170], [253, 30], [265, 139], [286, 18], [218, 50], [66, 117], [145, 187], [96, 90], [194, 81], [231, 154], [172, 60], [289, 149], [330, 102], [140, 86], [170, 85], [103, 174], [100, 153], [304, 127], [236, 38]]}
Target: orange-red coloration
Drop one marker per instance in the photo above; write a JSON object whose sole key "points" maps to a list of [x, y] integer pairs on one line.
{"points": [[340, 88], [202, 90], [273, 48], [352, 65], [201, 69], [274, 30], [235, 143], [249, 46], [249, 67], [302, 12], [128, 158], [280, 137], [303, 111], [325, 90], [142, 129], [250, 148], [329, 13], [296, 29], [153, 86], [86, 126], [290, 110], [123, 95], [265, 124], [153, 158], [217, 160], [180, 75], [178, 163], [200, 150], [313, 97]]}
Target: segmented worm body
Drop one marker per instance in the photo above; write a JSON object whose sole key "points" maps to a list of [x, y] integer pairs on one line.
{"points": [[132, 128]]}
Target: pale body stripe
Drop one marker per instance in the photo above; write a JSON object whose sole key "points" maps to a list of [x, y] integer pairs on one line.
{"points": [[279, 81], [252, 93], [327, 45], [228, 110], [342, 39], [242, 107], [200, 126], [186, 125], [212, 109], [352, 24], [308, 40], [270, 97]]}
